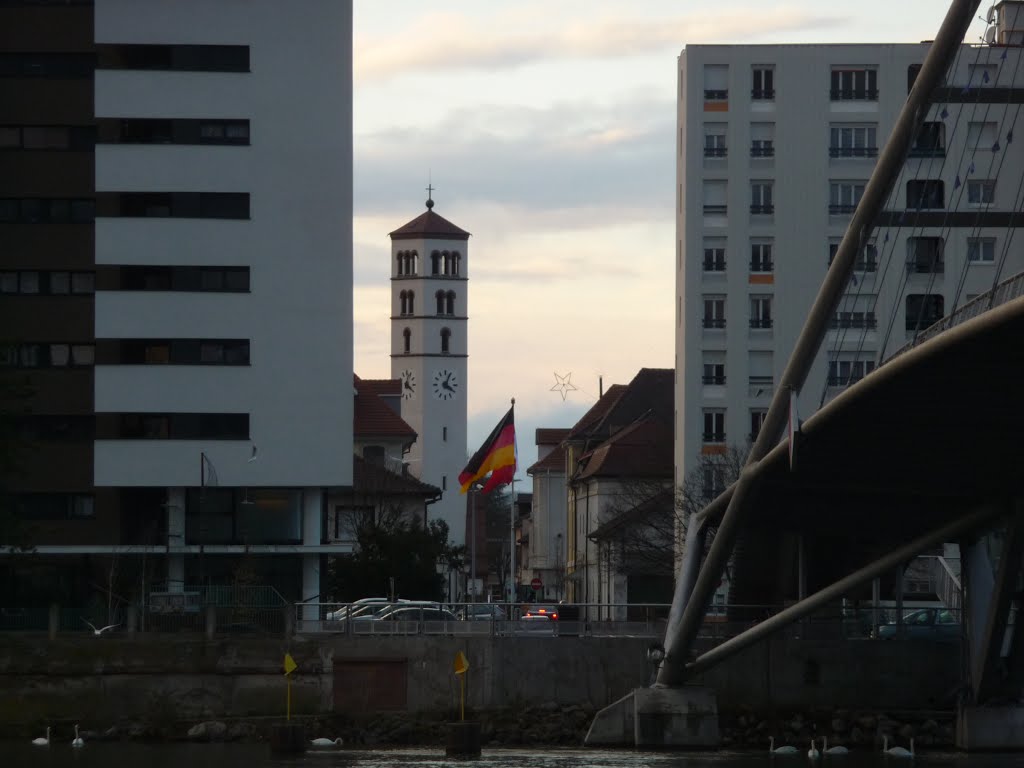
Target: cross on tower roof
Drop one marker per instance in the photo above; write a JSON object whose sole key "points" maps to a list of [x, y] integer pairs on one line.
{"points": [[430, 190]]}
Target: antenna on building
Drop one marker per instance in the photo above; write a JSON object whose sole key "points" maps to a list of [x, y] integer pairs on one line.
{"points": [[990, 17], [990, 35]]}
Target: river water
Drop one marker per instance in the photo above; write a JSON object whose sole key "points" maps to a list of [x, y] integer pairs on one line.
{"points": [[127, 755]]}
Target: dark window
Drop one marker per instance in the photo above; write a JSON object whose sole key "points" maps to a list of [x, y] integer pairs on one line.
{"points": [[158, 278], [449, 303], [55, 65], [47, 355], [46, 210], [867, 259], [714, 426], [930, 141], [174, 352], [912, 72], [72, 138], [925, 193], [924, 255], [177, 131], [842, 373], [714, 373], [854, 85], [761, 257], [435, 263], [53, 506], [924, 310], [764, 83], [714, 259], [195, 58], [446, 337], [175, 426], [57, 283], [757, 417], [406, 340], [189, 205], [440, 302]]}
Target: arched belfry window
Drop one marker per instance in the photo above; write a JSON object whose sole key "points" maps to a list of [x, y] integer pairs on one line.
{"points": [[406, 341], [412, 308], [410, 262], [435, 263], [449, 307], [440, 302], [456, 258], [406, 302], [446, 338], [400, 258]]}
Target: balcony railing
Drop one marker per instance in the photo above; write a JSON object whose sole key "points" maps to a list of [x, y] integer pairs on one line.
{"points": [[718, 379], [762, 151], [762, 209], [761, 265], [853, 94], [714, 322], [762, 94], [760, 322], [713, 94], [715, 209], [715, 151], [840, 208], [714, 437], [760, 385], [926, 265], [927, 152], [714, 265], [853, 151], [868, 322]]}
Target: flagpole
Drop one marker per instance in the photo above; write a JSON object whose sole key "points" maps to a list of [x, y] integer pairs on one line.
{"points": [[512, 536]]}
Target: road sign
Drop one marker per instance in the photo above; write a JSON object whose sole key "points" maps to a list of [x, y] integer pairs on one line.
{"points": [[461, 663], [536, 585]]}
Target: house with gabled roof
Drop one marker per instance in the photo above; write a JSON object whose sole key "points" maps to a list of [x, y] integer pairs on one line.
{"points": [[619, 480], [382, 486]]}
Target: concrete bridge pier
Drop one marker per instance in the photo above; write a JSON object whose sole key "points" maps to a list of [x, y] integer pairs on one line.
{"points": [[657, 718]]}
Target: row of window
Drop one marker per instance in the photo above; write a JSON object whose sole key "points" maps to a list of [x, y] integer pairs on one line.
{"points": [[189, 205], [924, 254], [173, 352], [445, 337], [46, 210], [442, 263], [176, 131], [43, 428], [172, 426], [844, 196], [48, 355], [182, 58], [445, 303], [177, 278], [922, 310], [846, 83], [55, 283], [74, 138], [53, 506]]}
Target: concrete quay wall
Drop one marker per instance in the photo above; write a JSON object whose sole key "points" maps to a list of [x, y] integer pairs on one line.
{"points": [[178, 677]]}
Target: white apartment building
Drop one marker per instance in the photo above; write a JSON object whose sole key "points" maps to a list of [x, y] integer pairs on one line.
{"points": [[223, 242], [775, 145]]}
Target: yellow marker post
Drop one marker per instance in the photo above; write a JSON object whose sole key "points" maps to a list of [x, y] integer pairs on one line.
{"points": [[289, 667], [461, 665]]}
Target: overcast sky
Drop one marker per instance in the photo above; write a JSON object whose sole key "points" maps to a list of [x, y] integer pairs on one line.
{"points": [[546, 128]]}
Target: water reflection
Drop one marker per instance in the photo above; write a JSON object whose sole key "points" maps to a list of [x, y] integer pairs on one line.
{"points": [[128, 755]]}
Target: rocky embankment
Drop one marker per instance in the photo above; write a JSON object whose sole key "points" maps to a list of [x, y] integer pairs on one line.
{"points": [[550, 725]]}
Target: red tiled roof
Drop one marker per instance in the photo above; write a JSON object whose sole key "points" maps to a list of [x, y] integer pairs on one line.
{"points": [[373, 418], [641, 450], [550, 435], [597, 410], [367, 476], [553, 462], [429, 224], [381, 386]]}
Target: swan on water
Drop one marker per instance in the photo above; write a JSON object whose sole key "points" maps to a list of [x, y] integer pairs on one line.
{"points": [[783, 750], [322, 742], [813, 753], [897, 751], [77, 741], [43, 741], [826, 749]]}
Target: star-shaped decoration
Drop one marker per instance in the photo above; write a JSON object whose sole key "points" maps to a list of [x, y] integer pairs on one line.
{"points": [[563, 385]]}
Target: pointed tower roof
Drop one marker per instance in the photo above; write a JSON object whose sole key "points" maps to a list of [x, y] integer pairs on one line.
{"points": [[429, 224]]}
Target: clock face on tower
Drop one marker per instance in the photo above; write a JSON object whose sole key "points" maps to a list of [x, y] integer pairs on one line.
{"points": [[445, 384], [408, 385]]}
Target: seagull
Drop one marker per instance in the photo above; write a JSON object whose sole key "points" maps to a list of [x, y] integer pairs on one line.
{"points": [[41, 741], [321, 742], [99, 632], [77, 741]]}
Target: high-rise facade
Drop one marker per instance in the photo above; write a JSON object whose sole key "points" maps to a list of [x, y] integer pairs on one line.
{"points": [[775, 146], [181, 198]]}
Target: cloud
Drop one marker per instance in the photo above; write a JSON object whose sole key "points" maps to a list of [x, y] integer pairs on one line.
{"points": [[447, 41], [569, 156]]}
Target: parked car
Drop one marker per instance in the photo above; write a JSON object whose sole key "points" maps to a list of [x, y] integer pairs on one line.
{"points": [[939, 624], [482, 612], [534, 624], [362, 607], [413, 612], [545, 611]]}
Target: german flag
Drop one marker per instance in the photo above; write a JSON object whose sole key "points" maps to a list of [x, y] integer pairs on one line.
{"points": [[497, 456]]}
